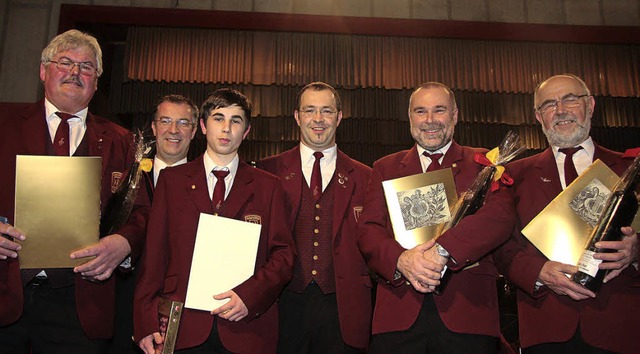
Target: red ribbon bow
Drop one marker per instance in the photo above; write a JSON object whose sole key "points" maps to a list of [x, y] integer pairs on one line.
{"points": [[504, 178]]}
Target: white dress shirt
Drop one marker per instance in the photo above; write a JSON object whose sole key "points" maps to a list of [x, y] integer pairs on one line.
{"points": [[77, 125], [426, 161], [209, 166], [581, 159], [327, 163]]}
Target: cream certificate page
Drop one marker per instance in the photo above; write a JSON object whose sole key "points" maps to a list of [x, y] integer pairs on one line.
{"points": [[224, 256]]}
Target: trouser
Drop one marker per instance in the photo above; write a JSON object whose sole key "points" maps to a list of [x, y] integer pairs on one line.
{"points": [[309, 323], [49, 324], [429, 335]]}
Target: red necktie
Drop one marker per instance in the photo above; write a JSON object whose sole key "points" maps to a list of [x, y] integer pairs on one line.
{"points": [[435, 158], [61, 140], [218, 191], [570, 172], [316, 176]]}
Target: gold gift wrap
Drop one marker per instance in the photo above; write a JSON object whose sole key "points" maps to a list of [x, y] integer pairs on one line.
{"points": [[562, 229], [57, 207], [418, 204]]}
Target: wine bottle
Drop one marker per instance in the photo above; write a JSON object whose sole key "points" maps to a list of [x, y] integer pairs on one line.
{"points": [[471, 201], [620, 209]]}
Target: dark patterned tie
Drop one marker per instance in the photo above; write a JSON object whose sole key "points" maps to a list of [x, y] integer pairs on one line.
{"points": [[218, 191], [435, 158], [570, 172], [61, 140], [316, 176]]}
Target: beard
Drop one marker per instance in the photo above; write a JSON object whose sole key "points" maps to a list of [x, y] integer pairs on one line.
{"points": [[575, 137], [444, 135]]}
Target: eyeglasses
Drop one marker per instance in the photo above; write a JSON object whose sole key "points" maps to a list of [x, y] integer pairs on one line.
{"points": [[65, 65], [325, 112], [569, 101], [182, 123]]}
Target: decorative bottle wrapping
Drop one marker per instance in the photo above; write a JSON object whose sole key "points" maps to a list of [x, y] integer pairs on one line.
{"points": [[470, 202], [473, 198], [619, 210], [121, 202]]}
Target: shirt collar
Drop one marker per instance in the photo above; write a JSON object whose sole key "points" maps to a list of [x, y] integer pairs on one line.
{"points": [[443, 150], [50, 111], [587, 145], [161, 164], [306, 154], [209, 165]]}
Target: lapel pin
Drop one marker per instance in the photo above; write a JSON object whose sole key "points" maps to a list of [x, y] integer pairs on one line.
{"points": [[193, 186], [545, 180]]}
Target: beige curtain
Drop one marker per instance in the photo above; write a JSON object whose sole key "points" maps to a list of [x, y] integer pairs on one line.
{"points": [[493, 82], [350, 61]]}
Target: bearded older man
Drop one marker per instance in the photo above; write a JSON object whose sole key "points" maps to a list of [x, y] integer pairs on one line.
{"points": [[407, 317], [555, 314]]}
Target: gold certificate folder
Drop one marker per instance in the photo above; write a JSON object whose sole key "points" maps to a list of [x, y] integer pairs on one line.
{"points": [[561, 230], [418, 204], [57, 207]]}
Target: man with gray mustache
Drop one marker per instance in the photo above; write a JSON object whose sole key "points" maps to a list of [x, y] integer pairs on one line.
{"points": [[64, 310]]}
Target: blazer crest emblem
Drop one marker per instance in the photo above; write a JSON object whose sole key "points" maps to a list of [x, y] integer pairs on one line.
{"points": [[253, 218], [357, 211], [116, 177]]}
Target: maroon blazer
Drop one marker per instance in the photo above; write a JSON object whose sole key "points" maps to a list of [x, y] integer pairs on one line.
{"points": [[608, 321], [469, 304], [26, 134], [353, 284], [180, 196]]}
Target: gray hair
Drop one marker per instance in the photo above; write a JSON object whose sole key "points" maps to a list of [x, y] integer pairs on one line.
{"points": [[579, 80], [72, 39]]}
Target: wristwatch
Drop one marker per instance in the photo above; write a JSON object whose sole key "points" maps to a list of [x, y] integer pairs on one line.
{"points": [[441, 251]]}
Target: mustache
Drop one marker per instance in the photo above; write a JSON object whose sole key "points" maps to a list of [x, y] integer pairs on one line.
{"points": [[432, 126], [562, 117], [73, 79]]}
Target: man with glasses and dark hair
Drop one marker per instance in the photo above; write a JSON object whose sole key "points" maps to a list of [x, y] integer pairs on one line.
{"points": [[174, 125], [55, 310], [327, 306], [216, 183]]}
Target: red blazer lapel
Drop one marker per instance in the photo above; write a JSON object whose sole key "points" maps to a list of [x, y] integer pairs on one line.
{"points": [[100, 143], [454, 154], [241, 191], [610, 158], [547, 171], [410, 164], [196, 186], [344, 187], [34, 125], [292, 179]]}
